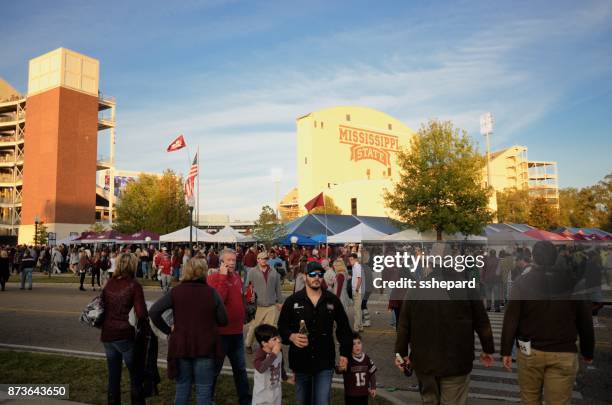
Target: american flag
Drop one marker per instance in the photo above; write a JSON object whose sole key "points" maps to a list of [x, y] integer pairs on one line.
{"points": [[190, 181]]}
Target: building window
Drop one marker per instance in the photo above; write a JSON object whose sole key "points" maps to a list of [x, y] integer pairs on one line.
{"points": [[353, 206], [348, 117], [389, 171], [315, 124], [305, 160], [321, 124], [368, 173], [390, 126]]}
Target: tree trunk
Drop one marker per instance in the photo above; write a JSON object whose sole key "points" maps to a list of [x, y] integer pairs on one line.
{"points": [[438, 234]]}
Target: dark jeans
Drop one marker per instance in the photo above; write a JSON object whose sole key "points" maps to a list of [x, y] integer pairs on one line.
{"points": [[117, 352], [314, 389], [95, 276], [199, 371], [82, 278], [233, 347], [494, 298]]}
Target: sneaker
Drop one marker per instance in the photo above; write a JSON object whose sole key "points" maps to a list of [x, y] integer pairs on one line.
{"points": [[30, 288]]}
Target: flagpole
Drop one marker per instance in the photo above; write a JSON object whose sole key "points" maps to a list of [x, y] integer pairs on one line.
{"points": [[197, 208], [198, 189], [190, 207], [325, 211]]}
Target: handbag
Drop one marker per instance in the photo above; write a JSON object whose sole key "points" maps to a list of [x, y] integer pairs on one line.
{"points": [[93, 314]]}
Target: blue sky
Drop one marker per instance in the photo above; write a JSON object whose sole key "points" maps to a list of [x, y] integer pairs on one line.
{"points": [[233, 76]]}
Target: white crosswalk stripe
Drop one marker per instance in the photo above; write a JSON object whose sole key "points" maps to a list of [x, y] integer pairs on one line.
{"points": [[496, 382]]}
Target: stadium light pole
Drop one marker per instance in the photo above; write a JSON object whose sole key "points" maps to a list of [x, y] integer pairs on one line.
{"points": [[276, 174], [486, 129]]}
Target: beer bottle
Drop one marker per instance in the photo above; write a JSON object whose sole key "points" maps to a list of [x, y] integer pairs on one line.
{"points": [[303, 328]]}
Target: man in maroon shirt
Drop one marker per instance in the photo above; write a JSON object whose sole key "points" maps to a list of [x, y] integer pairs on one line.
{"points": [[250, 260], [228, 284]]}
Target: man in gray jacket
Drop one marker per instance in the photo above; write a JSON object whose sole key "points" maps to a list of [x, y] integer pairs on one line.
{"points": [[267, 285]]}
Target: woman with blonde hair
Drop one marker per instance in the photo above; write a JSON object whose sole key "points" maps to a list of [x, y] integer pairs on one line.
{"points": [[122, 293], [342, 277], [194, 342]]}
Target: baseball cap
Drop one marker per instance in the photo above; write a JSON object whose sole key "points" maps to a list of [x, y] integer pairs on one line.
{"points": [[164, 248], [314, 266]]}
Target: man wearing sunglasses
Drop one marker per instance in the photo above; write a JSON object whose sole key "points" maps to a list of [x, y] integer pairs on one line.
{"points": [[312, 351]]}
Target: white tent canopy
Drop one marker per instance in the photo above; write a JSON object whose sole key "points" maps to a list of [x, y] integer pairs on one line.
{"points": [[230, 235], [405, 235], [67, 241], [430, 236], [356, 234], [182, 235]]}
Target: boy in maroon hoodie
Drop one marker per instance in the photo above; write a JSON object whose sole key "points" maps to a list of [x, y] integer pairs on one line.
{"points": [[228, 284]]}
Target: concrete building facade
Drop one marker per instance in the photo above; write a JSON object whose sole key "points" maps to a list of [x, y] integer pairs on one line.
{"points": [[511, 169]]}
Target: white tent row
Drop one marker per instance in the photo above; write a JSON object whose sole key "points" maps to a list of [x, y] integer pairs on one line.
{"points": [[182, 235], [430, 236], [230, 235], [356, 234]]}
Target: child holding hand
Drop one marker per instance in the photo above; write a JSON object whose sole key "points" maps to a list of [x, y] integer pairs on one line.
{"points": [[359, 375]]}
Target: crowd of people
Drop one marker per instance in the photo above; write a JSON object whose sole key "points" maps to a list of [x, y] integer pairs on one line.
{"points": [[220, 293]]}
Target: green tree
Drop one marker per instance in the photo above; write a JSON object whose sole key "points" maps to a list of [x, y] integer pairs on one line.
{"points": [[153, 203], [440, 185], [267, 227], [330, 207], [513, 206], [40, 234], [542, 214]]}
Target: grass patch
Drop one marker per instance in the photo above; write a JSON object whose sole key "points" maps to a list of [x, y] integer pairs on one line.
{"points": [[70, 278], [88, 378]]}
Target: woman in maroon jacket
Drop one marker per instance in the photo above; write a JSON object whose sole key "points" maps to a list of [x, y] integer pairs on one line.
{"points": [[120, 294], [193, 343]]}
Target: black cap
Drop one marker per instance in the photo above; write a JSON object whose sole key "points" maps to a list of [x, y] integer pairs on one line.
{"points": [[314, 266]]}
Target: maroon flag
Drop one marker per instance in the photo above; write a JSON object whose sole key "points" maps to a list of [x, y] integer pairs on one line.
{"points": [[318, 201], [190, 181], [178, 143]]}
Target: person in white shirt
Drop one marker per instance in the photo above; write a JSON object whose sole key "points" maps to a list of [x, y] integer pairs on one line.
{"points": [[357, 285]]}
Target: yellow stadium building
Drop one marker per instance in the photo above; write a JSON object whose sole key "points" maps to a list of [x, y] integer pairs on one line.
{"points": [[350, 154]]}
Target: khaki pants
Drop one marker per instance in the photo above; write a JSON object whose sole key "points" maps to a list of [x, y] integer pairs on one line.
{"points": [[444, 390], [267, 315], [357, 326], [554, 372]]}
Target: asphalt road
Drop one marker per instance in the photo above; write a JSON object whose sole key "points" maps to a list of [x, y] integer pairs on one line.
{"points": [[48, 315]]}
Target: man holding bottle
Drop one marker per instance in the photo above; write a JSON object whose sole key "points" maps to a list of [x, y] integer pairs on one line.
{"points": [[306, 324]]}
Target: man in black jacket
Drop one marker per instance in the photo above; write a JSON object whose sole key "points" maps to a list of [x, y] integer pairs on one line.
{"points": [[439, 326], [546, 319], [312, 351]]}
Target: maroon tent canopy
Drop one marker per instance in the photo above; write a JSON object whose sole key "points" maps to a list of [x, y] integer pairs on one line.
{"points": [[545, 235], [143, 237]]}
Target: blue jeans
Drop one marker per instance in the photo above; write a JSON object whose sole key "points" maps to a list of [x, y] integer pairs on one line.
{"points": [[26, 278], [233, 347], [200, 371], [116, 352], [314, 389]]}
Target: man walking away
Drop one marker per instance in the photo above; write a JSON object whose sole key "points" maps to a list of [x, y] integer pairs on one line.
{"points": [[546, 320], [439, 326]]}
